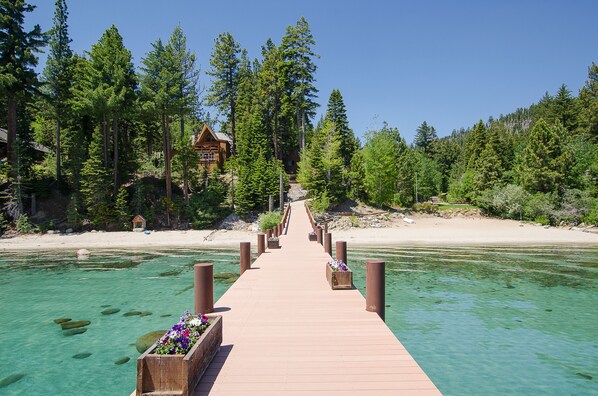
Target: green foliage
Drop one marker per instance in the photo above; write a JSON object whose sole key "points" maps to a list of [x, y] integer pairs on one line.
{"points": [[425, 207], [206, 207], [425, 137], [507, 201], [320, 204], [23, 225], [336, 113], [3, 224], [544, 161], [539, 207], [73, 216], [429, 178], [356, 177], [122, 217], [96, 196], [269, 220]]}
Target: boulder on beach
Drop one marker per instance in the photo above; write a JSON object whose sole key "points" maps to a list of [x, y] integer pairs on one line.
{"points": [[83, 253], [147, 340]]}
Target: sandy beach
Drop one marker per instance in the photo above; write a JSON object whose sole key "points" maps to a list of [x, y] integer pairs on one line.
{"points": [[427, 230]]}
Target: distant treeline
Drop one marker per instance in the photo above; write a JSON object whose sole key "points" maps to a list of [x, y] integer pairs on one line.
{"points": [[539, 163]]}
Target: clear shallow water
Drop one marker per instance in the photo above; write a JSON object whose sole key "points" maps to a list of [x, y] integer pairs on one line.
{"points": [[494, 320], [37, 288], [480, 321]]}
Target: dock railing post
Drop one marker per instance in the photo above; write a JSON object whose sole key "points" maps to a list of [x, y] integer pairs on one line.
{"points": [[275, 231], [269, 233], [328, 243], [261, 243], [203, 284], [374, 287], [341, 251], [245, 262], [319, 235]]}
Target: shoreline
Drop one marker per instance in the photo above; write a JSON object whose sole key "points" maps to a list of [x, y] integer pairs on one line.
{"points": [[426, 231]]}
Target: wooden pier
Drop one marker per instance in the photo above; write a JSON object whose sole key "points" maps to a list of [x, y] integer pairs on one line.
{"points": [[287, 333]]}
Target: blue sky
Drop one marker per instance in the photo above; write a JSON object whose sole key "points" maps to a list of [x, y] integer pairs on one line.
{"points": [[449, 63]]}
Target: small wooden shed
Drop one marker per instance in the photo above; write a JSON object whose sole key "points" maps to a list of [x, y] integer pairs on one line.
{"points": [[138, 223]]}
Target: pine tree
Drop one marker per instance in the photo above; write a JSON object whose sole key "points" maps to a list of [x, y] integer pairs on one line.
{"points": [[425, 137], [121, 210], [588, 97], [18, 79], [475, 142], [544, 161], [271, 89], [59, 74], [564, 109], [299, 71], [225, 65], [95, 177], [337, 114]]}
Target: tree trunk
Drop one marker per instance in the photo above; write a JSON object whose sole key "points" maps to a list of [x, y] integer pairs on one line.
{"points": [[58, 168], [11, 137], [275, 137], [115, 165], [167, 172], [232, 127], [106, 139]]}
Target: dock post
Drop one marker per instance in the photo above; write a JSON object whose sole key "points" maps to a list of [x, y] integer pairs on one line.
{"points": [[261, 243], [245, 256], [275, 232], [341, 251], [374, 287], [269, 233], [325, 227], [280, 229], [328, 243], [203, 284], [319, 235]]}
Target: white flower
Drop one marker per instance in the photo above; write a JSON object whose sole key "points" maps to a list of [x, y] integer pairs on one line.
{"points": [[195, 322]]}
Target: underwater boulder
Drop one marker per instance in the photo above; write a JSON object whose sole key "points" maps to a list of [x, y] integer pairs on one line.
{"points": [[132, 313], [74, 325], [11, 379], [110, 311], [82, 355], [122, 360], [72, 332], [62, 320], [147, 340]]}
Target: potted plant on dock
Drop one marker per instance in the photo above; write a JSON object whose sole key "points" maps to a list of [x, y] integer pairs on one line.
{"points": [[273, 243], [339, 276], [312, 236], [175, 363]]}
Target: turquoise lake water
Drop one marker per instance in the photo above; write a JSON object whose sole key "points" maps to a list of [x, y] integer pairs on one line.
{"points": [[480, 321]]}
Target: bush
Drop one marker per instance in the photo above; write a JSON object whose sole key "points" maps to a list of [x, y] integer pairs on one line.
{"points": [[269, 220], [539, 208], [206, 208], [23, 225], [3, 224], [574, 206], [592, 217], [320, 204], [425, 207], [507, 201]]}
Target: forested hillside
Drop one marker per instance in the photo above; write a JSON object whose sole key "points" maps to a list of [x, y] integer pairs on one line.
{"points": [[93, 139]]}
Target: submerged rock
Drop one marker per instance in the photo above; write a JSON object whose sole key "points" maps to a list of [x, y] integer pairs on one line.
{"points": [[104, 306], [147, 340], [584, 375], [110, 311], [145, 313], [122, 360], [73, 332], [82, 355], [225, 275], [132, 313], [173, 272], [165, 315], [11, 379], [74, 325], [62, 320]]}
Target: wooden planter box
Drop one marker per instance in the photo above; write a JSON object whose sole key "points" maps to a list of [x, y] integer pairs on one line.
{"points": [[339, 279], [312, 237], [273, 244], [178, 374]]}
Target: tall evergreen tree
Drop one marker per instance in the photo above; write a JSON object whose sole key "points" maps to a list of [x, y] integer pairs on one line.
{"points": [[425, 137], [544, 161], [95, 177], [337, 114], [564, 109], [588, 97], [299, 71], [225, 65], [18, 79], [59, 74], [271, 88]]}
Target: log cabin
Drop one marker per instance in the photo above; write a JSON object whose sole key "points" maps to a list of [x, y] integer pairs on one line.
{"points": [[212, 147]]}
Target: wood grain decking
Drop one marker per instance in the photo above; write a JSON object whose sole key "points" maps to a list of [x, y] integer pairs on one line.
{"points": [[286, 332]]}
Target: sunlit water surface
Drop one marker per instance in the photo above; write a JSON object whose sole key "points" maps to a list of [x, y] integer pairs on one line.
{"points": [[480, 321]]}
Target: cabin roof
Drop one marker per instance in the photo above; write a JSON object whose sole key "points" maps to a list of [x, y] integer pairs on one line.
{"points": [[218, 136], [36, 146]]}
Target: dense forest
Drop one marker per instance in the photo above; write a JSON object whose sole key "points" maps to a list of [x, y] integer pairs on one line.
{"points": [[92, 140]]}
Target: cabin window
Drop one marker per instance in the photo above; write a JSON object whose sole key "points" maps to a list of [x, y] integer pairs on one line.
{"points": [[205, 156], [212, 158]]}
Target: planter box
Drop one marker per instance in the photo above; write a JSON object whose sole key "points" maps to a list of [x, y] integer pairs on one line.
{"points": [[273, 244], [178, 374], [339, 279], [312, 237]]}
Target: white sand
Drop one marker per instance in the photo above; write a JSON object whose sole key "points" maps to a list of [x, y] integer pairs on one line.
{"points": [[427, 230]]}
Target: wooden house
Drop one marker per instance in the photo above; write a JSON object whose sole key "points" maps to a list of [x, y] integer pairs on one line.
{"points": [[212, 147]]}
